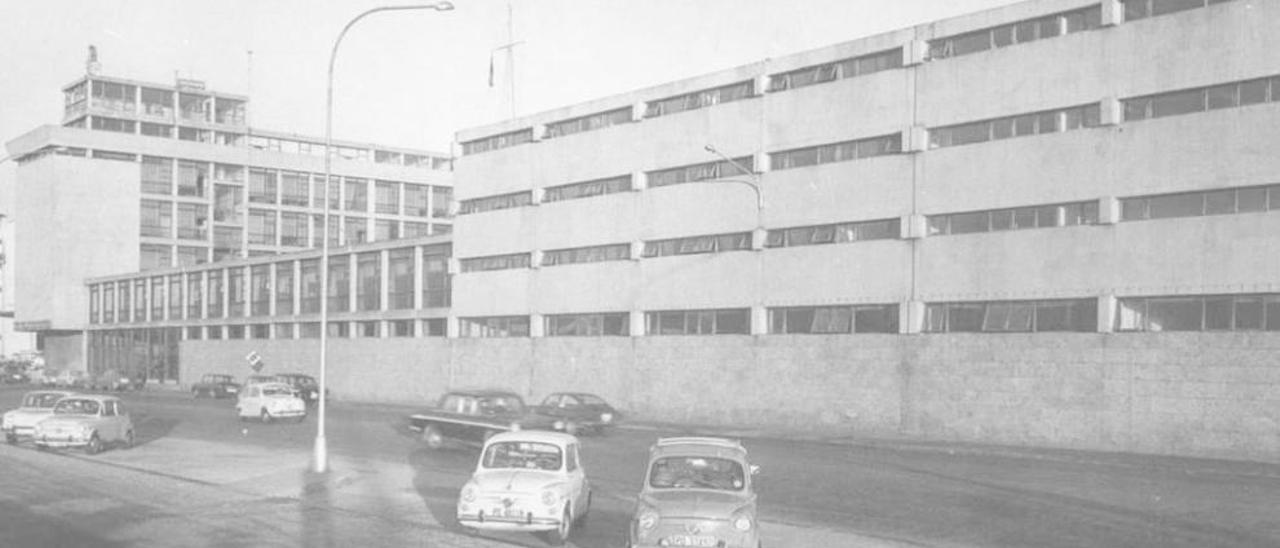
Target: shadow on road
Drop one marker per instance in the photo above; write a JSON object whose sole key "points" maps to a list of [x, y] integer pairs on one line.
{"points": [[148, 428], [316, 506]]}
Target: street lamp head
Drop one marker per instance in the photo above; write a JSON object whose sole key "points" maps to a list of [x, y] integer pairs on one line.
{"points": [[442, 6], [711, 149]]}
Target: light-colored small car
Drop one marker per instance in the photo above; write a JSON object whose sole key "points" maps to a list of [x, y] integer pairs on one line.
{"points": [[527, 481], [270, 401], [36, 406], [88, 421], [697, 492]]}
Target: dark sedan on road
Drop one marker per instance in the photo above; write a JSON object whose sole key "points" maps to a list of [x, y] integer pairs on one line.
{"points": [[586, 412], [306, 386]]}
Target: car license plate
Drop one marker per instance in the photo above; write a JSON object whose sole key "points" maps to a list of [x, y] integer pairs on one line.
{"points": [[689, 540], [507, 513]]}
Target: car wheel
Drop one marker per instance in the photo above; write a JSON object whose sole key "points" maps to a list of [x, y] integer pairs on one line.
{"points": [[561, 534], [582, 520], [265, 416], [128, 440], [432, 437], [94, 446]]}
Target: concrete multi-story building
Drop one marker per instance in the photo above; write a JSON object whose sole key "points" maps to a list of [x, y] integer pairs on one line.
{"points": [[12, 341], [142, 176], [1056, 223]]}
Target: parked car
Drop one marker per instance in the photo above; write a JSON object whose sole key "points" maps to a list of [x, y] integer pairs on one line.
{"points": [[113, 380], [14, 374], [71, 379], [92, 422], [527, 481], [216, 385], [306, 385], [471, 416], [270, 401], [586, 412], [35, 407], [697, 492]]}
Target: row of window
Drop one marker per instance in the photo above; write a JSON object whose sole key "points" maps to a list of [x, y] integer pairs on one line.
{"points": [[252, 291], [1252, 312], [830, 72], [1046, 216], [1022, 125], [1141, 9], [1187, 101], [1195, 204], [1019, 32], [836, 152]]}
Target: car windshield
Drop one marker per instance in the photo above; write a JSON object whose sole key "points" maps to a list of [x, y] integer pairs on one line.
{"points": [[523, 454], [76, 407], [217, 378], [301, 381], [500, 405], [588, 399], [696, 472], [276, 391], [43, 401]]}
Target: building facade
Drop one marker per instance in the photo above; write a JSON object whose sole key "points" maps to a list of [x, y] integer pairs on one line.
{"points": [[143, 176], [12, 341], [1051, 223]]}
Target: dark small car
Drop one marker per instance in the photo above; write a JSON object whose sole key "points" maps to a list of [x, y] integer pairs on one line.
{"points": [[15, 375], [216, 385], [306, 386], [586, 412], [471, 416]]}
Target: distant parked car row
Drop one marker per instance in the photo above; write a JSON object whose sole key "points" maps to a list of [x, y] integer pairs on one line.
{"points": [[221, 385]]}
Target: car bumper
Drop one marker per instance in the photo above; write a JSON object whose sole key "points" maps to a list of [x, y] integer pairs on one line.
{"points": [[504, 523], [19, 431], [60, 442], [287, 413]]}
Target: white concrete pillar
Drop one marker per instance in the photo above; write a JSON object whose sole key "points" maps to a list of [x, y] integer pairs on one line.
{"points": [[1110, 112], [636, 323], [1108, 210], [1112, 12], [911, 316], [1106, 313], [536, 325], [759, 320]]}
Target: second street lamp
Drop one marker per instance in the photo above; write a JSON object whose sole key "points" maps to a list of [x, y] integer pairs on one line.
{"points": [[321, 462]]}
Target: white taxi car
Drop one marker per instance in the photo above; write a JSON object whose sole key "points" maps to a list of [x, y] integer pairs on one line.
{"points": [[36, 406], [87, 421], [270, 401], [527, 481]]}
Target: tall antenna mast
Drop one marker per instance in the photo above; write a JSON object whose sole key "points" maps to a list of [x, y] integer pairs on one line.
{"points": [[509, 47]]}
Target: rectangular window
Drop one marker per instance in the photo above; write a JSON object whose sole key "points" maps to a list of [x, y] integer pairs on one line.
{"points": [[830, 72], [262, 227], [216, 304], [498, 141], [228, 203], [700, 99], [494, 326], [834, 319], [593, 254], [401, 328], [492, 203], [356, 230], [195, 295], [126, 303], [436, 282], [386, 229], [227, 243], [587, 189], [262, 186], [588, 123], [310, 278], [309, 330], [111, 124], [369, 329], [700, 172], [356, 195], [400, 279], [1141, 9], [192, 177], [588, 325], [717, 243], [284, 289], [495, 262], [1188, 101], [260, 290], [293, 229], [294, 188], [95, 308], [283, 331], [1012, 316], [434, 327], [237, 292], [417, 200], [228, 173], [155, 256], [834, 233], [339, 291], [1047, 216], [108, 303], [140, 300], [157, 175], [157, 218], [157, 299], [1197, 313], [369, 281], [440, 198], [699, 322], [387, 196]]}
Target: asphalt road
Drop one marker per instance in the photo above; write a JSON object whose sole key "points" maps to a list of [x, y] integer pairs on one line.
{"points": [[913, 496]]}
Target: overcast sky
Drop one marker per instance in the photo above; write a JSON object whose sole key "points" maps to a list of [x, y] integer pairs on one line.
{"points": [[412, 78]]}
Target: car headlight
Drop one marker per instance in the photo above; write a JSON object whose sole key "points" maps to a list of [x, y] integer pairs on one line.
{"points": [[742, 521], [606, 417], [469, 492], [515, 427], [85, 431], [549, 497], [647, 518], [559, 425]]}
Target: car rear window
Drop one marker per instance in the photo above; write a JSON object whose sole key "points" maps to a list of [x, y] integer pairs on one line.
{"points": [[523, 454], [696, 473]]}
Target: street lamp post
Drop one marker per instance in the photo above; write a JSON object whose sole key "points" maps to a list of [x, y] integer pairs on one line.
{"points": [[321, 463], [754, 183]]}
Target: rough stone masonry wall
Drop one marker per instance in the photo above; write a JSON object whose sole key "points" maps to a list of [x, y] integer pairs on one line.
{"points": [[1201, 394]]}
